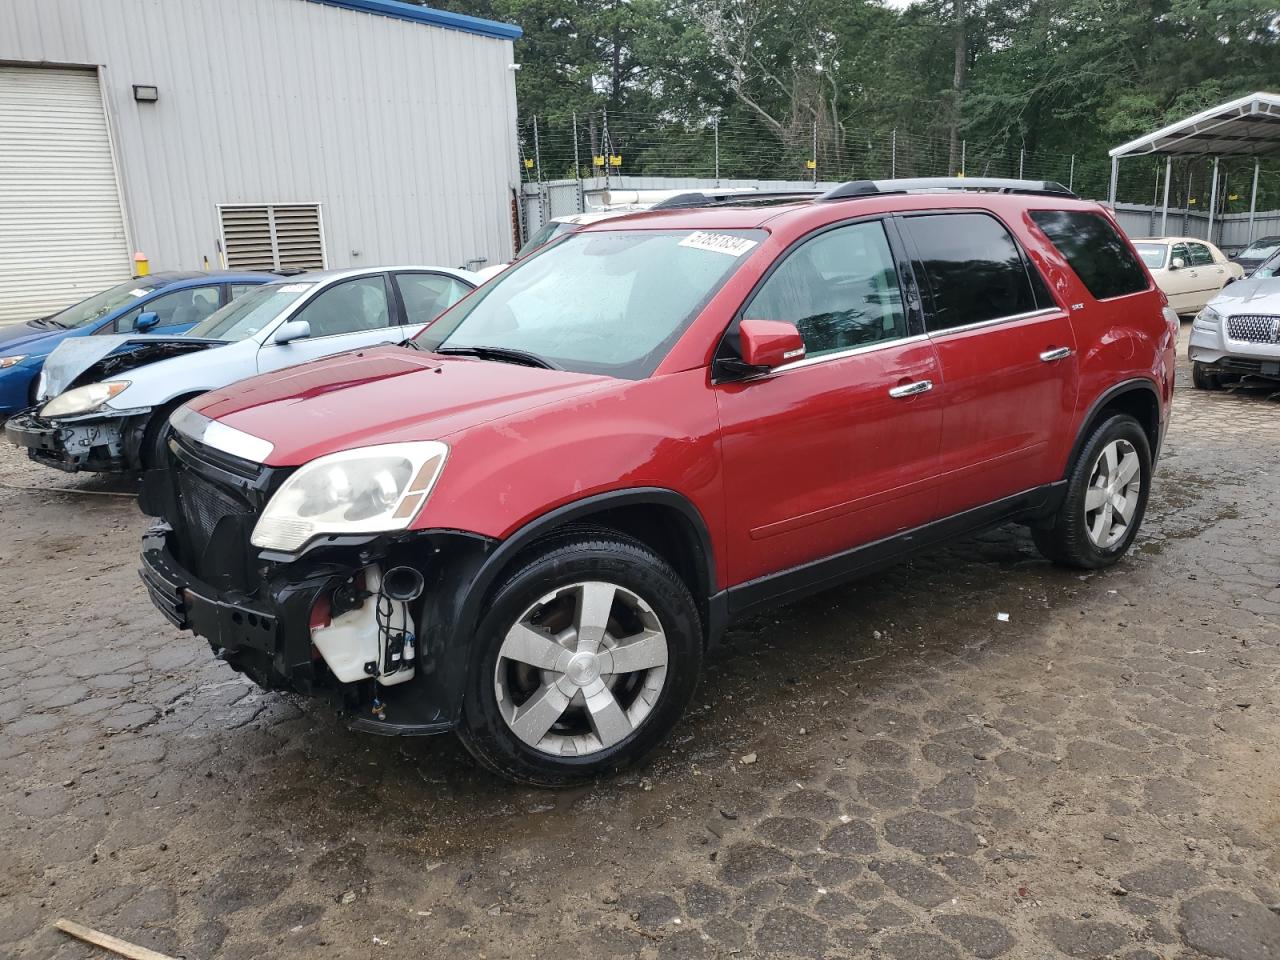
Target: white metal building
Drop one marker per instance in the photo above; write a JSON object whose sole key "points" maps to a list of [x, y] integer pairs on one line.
{"points": [[252, 134]]}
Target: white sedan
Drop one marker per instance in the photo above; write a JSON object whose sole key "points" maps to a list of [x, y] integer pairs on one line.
{"points": [[105, 401], [1189, 271]]}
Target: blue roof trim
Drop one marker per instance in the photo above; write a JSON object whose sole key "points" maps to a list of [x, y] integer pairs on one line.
{"points": [[436, 18]]}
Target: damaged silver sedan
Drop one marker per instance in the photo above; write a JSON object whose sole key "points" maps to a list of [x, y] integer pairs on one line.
{"points": [[106, 400]]}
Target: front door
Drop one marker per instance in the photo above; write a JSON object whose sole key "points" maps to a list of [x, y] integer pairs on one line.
{"points": [[1007, 353], [344, 316], [840, 448]]}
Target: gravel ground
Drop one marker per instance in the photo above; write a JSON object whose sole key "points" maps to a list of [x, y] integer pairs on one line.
{"points": [[1095, 777]]}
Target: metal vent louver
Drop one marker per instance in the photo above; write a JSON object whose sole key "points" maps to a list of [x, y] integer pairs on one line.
{"points": [[273, 237]]}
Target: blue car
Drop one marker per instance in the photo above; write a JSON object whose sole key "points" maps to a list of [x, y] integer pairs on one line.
{"points": [[160, 303]]}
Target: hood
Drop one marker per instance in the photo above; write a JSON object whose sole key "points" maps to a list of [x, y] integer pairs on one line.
{"points": [[1249, 296], [385, 395], [100, 356], [15, 336]]}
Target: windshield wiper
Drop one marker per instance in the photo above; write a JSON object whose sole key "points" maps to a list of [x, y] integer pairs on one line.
{"points": [[501, 354]]}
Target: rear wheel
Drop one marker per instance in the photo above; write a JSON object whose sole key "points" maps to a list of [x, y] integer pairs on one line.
{"points": [[588, 656], [1105, 501], [1202, 379]]}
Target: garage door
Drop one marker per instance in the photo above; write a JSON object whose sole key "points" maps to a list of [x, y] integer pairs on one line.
{"points": [[61, 230]]}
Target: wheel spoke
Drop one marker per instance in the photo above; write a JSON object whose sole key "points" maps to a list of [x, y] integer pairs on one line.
{"points": [[641, 652], [1094, 498], [532, 720], [1125, 506], [594, 606], [608, 719], [527, 645], [1128, 467], [1101, 525], [1110, 456]]}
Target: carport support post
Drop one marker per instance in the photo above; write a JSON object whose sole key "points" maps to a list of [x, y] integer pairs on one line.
{"points": [[893, 154], [577, 170], [1253, 199], [1213, 198], [1164, 211], [1115, 175]]}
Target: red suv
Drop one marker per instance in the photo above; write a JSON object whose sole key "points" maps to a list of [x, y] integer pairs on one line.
{"points": [[527, 524]]}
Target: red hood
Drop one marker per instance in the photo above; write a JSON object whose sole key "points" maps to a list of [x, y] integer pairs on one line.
{"points": [[384, 395]]}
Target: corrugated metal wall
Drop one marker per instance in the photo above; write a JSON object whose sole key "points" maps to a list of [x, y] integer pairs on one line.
{"points": [[404, 132]]}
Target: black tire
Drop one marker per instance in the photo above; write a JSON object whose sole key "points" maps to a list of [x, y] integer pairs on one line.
{"points": [[1202, 379], [1065, 540], [573, 556], [152, 452]]}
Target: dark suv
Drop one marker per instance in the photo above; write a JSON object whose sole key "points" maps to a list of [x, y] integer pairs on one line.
{"points": [[526, 525]]}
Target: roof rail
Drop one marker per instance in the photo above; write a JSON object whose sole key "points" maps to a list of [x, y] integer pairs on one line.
{"points": [[868, 188], [710, 198]]}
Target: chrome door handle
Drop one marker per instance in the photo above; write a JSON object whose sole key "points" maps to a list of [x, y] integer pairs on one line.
{"points": [[1061, 353], [911, 389]]}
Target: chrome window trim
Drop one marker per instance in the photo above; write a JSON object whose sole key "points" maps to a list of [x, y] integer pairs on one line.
{"points": [[1044, 311], [838, 355]]}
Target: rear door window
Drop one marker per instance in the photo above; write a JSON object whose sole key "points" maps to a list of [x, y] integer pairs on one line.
{"points": [[974, 268], [1200, 255], [1095, 250], [427, 295], [839, 288]]}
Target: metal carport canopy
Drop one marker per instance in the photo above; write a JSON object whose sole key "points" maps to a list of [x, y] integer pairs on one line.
{"points": [[1247, 126]]}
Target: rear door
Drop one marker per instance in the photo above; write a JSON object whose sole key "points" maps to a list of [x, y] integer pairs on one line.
{"points": [[1007, 354], [831, 452], [1211, 276], [1181, 284], [346, 315]]}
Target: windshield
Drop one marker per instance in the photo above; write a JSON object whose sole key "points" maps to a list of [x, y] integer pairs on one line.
{"points": [[98, 306], [1152, 254], [1261, 249], [611, 303], [545, 234], [1268, 269], [243, 317]]}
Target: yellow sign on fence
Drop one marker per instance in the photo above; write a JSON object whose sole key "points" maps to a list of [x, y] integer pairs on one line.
{"points": [[811, 164], [615, 160], [597, 161]]}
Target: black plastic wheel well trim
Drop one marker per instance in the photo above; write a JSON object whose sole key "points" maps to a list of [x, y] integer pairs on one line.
{"points": [[1113, 393], [583, 510]]}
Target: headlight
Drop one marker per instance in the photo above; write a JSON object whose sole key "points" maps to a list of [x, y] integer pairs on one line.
{"points": [[82, 399], [367, 490], [7, 362], [1208, 319]]}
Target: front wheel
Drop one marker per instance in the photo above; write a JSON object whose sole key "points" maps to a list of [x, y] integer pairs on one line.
{"points": [[1105, 501], [589, 654], [1202, 379]]}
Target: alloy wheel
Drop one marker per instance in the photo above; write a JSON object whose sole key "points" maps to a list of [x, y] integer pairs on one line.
{"points": [[581, 669], [1111, 498]]}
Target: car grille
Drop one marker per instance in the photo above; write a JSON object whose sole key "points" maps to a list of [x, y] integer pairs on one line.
{"points": [[203, 505], [1254, 328]]}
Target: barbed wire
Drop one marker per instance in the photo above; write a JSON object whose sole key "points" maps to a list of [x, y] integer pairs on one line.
{"points": [[618, 143]]}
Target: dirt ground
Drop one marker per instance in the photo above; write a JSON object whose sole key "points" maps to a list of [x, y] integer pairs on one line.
{"points": [[1095, 777]]}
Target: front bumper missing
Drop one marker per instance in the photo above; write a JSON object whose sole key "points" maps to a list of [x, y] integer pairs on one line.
{"points": [[267, 635], [70, 445]]}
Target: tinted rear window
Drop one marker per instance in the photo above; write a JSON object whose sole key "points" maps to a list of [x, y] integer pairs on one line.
{"points": [[1097, 253], [974, 268]]}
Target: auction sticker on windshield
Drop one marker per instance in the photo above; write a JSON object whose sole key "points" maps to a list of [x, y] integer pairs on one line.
{"points": [[718, 243]]}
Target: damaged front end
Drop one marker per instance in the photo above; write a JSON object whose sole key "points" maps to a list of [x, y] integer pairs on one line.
{"points": [[94, 442], [367, 621], [76, 427]]}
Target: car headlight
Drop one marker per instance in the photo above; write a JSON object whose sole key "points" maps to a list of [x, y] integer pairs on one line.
{"points": [[1208, 319], [367, 490], [82, 399], [7, 362]]}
